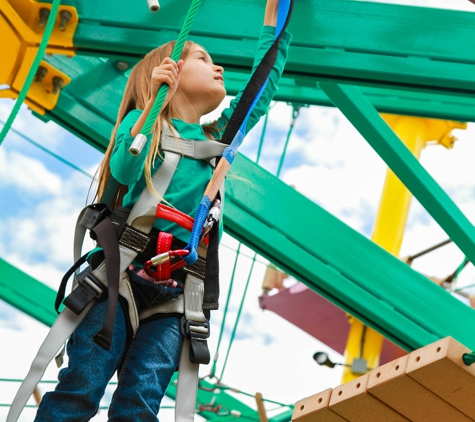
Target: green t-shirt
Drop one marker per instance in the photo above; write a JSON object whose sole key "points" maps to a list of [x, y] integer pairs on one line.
{"points": [[191, 176]]}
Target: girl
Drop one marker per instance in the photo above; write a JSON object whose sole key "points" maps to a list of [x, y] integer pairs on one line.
{"points": [[146, 363]]}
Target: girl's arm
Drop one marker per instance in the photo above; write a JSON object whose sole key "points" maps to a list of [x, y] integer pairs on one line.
{"points": [[126, 168], [266, 39], [270, 16]]}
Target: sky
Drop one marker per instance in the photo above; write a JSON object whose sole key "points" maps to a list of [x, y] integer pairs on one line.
{"points": [[327, 160]]}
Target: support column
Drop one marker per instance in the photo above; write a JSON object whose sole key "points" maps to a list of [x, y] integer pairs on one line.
{"points": [[364, 344]]}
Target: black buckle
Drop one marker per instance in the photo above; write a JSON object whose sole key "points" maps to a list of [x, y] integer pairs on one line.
{"points": [[199, 352], [88, 288], [185, 326], [93, 215]]}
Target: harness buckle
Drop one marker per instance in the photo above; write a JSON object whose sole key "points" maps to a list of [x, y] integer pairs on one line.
{"points": [[197, 333], [94, 214], [88, 288]]}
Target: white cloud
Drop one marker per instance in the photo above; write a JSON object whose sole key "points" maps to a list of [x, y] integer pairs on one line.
{"points": [[48, 134], [28, 174]]}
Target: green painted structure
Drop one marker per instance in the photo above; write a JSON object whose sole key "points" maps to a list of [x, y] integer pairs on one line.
{"points": [[361, 57]]}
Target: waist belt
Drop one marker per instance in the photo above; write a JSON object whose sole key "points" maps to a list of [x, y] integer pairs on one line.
{"points": [[146, 247]]}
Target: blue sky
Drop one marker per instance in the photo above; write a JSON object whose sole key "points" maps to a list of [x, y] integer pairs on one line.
{"points": [[327, 160]]}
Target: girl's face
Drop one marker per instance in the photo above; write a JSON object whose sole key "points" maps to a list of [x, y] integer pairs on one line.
{"points": [[201, 81]]}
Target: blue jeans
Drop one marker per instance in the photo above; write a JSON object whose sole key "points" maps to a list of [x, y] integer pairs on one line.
{"points": [[145, 365]]}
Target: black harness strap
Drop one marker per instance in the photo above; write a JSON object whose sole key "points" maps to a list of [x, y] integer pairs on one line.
{"points": [[64, 282], [108, 240], [211, 285], [253, 86], [106, 236]]}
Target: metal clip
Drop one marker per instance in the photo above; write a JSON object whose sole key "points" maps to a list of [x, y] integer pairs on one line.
{"points": [[213, 217], [161, 259], [138, 144]]}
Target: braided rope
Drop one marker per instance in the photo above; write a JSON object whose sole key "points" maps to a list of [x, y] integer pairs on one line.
{"points": [[33, 69], [176, 53]]}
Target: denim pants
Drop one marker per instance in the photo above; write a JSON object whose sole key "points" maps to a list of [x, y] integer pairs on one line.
{"points": [[145, 365]]}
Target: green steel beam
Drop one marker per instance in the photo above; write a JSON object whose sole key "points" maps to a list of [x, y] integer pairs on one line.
{"points": [[344, 41], [27, 294], [87, 108], [340, 264], [402, 162]]}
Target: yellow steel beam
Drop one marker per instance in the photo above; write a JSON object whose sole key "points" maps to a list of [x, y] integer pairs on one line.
{"points": [[388, 231], [22, 23]]}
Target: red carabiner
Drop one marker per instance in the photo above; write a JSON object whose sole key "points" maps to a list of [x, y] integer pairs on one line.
{"points": [[161, 259]]}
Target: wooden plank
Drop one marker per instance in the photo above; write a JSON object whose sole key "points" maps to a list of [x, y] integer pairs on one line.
{"points": [[354, 403], [390, 384], [315, 409], [439, 368]]}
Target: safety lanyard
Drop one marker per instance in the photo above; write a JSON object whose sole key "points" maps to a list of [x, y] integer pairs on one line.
{"points": [[237, 127]]}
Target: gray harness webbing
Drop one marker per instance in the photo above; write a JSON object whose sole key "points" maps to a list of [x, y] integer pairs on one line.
{"points": [[142, 218]]}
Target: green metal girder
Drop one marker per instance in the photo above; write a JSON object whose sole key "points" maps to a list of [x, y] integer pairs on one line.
{"points": [[344, 41], [27, 294], [402, 162], [89, 104], [342, 265]]}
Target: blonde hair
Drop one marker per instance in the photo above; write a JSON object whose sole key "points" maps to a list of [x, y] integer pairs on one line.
{"points": [[136, 95]]}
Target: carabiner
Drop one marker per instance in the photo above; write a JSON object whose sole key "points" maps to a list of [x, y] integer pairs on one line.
{"points": [[161, 259]]}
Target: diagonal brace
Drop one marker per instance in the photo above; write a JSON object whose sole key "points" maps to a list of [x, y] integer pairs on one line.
{"points": [[362, 114]]}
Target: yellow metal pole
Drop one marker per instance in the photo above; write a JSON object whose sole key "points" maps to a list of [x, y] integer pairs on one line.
{"points": [[364, 343]]}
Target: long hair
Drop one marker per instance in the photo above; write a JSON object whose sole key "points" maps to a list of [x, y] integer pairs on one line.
{"points": [[136, 95]]}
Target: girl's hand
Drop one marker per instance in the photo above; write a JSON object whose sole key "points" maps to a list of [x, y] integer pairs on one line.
{"points": [[168, 72]]}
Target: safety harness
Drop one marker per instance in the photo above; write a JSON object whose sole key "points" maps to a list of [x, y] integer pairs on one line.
{"points": [[125, 236]]}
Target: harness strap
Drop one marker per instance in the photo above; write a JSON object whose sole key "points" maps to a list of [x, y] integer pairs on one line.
{"points": [[195, 328], [211, 293], [64, 282], [187, 387], [108, 240], [146, 204], [164, 243], [63, 327], [106, 235], [141, 217], [201, 150]]}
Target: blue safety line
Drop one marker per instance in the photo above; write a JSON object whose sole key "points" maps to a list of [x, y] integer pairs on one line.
{"points": [[231, 151], [282, 12]]}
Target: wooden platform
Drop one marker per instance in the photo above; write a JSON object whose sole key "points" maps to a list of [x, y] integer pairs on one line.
{"points": [[431, 384]]}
